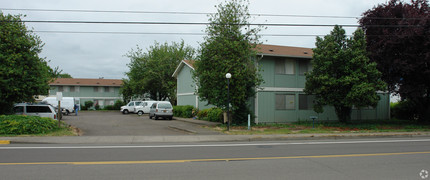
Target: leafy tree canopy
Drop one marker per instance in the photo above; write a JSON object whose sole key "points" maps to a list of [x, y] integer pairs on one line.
{"points": [[23, 74], [342, 75], [398, 39], [151, 72], [64, 75], [228, 48]]}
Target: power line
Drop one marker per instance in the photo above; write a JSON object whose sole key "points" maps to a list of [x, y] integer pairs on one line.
{"points": [[177, 23], [183, 33], [168, 12], [159, 33], [205, 13], [207, 23]]}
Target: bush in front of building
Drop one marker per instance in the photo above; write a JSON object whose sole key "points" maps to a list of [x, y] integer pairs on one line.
{"points": [[20, 124], [212, 114], [215, 115], [87, 105], [183, 111], [406, 110], [118, 104]]}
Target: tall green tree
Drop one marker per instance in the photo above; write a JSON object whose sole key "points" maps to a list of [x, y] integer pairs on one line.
{"points": [[23, 74], [342, 74], [151, 72], [229, 47], [398, 39], [64, 75]]}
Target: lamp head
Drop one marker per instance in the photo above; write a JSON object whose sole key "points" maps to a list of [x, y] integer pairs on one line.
{"points": [[228, 75]]}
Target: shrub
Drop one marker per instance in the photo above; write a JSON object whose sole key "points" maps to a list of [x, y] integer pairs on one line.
{"points": [[108, 107], [177, 110], [19, 124], [203, 114], [97, 107], [118, 104], [88, 104], [215, 115], [402, 110], [183, 111], [212, 114]]}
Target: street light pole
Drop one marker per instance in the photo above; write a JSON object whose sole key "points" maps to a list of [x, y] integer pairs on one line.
{"points": [[228, 76]]}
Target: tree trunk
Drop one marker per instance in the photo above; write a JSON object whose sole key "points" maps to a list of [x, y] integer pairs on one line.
{"points": [[343, 113]]}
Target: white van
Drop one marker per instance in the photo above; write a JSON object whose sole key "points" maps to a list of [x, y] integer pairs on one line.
{"points": [[144, 107], [130, 107], [68, 103], [41, 110]]}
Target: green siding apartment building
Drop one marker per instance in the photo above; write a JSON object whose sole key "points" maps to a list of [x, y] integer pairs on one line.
{"points": [[280, 99], [101, 91]]}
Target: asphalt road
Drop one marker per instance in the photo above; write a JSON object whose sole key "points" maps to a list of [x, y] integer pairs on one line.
{"points": [[114, 123], [337, 159]]}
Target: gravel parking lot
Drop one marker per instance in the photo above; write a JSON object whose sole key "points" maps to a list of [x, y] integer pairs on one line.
{"points": [[114, 123]]}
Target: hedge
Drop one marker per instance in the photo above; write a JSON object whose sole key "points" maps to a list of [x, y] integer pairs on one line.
{"points": [[20, 124], [212, 114], [183, 111]]}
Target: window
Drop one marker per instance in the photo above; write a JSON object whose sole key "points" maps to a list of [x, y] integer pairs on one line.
{"points": [[107, 89], [60, 89], [284, 66], [285, 101], [18, 109], [74, 88], [38, 109], [306, 102], [110, 102], [304, 66], [96, 89]]}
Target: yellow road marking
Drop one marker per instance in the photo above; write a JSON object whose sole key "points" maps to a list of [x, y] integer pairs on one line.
{"points": [[4, 141], [202, 160]]}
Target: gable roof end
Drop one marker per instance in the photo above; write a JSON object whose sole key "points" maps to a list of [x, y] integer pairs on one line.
{"points": [[189, 63]]}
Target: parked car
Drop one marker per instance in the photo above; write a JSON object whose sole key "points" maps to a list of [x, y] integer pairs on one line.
{"points": [[144, 107], [67, 103], [161, 109], [130, 107], [41, 110]]}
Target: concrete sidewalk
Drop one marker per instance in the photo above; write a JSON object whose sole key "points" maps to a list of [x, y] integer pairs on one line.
{"points": [[201, 138]]}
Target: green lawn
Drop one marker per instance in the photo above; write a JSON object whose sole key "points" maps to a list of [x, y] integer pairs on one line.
{"points": [[327, 127]]}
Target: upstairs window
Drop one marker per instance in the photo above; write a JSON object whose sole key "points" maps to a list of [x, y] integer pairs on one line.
{"points": [[97, 89], [285, 66]]}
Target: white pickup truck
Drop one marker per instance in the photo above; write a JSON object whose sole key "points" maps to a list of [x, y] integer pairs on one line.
{"points": [[130, 107]]}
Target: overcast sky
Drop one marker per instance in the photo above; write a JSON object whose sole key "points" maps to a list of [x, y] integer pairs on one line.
{"points": [[94, 55]]}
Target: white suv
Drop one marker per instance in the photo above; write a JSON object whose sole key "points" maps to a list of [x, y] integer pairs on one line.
{"points": [[161, 109], [42, 110], [130, 107]]}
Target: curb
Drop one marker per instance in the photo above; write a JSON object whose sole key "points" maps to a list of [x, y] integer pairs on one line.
{"points": [[204, 138], [4, 141], [195, 122]]}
